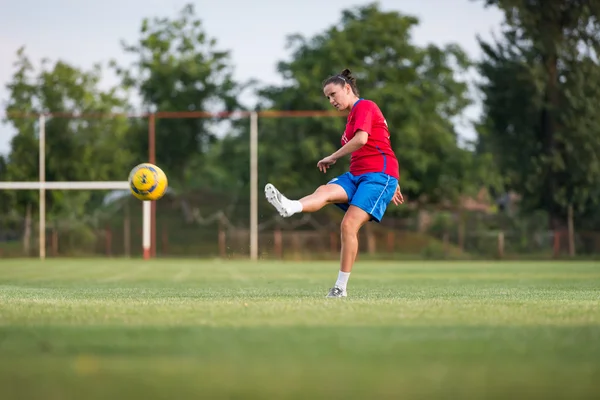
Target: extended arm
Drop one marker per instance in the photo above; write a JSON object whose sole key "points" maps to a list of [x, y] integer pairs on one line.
{"points": [[359, 140]]}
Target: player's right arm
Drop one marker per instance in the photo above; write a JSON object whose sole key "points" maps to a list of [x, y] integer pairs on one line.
{"points": [[359, 140]]}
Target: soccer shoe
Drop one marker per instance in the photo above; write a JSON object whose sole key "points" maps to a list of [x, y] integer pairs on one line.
{"points": [[337, 292], [277, 200]]}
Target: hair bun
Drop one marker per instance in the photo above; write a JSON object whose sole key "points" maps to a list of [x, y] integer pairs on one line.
{"points": [[343, 78], [346, 73]]}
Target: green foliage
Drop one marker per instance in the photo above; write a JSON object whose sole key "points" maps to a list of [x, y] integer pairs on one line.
{"points": [[178, 68], [78, 149], [541, 94], [416, 88], [539, 135]]}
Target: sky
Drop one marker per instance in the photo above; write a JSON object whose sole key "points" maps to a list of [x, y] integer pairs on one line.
{"points": [[87, 32]]}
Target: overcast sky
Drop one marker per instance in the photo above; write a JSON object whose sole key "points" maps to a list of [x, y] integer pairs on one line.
{"points": [[85, 32]]}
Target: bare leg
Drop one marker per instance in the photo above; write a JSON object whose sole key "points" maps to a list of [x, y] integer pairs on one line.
{"points": [[354, 219], [325, 194]]}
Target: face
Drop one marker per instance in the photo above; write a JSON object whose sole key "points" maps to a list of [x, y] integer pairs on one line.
{"points": [[339, 96]]}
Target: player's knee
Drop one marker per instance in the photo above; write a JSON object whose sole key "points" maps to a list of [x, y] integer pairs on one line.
{"points": [[325, 193], [349, 226], [321, 189]]}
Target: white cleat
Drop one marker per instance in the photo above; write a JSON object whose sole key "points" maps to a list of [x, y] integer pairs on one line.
{"points": [[337, 292], [277, 200]]}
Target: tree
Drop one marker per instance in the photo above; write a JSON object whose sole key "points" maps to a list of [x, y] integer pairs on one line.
{"points": [[417, 88], [178, 68], [78, 149], [540, 91]]}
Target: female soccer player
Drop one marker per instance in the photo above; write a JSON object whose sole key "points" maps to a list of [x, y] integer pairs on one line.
{"points": [[366, 190]]}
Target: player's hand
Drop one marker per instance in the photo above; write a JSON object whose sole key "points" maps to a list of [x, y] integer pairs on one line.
{"points": [[326, 163], [398, 198]]}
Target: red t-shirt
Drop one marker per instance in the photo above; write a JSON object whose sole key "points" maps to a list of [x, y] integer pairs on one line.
{"points": [[377, 154]]}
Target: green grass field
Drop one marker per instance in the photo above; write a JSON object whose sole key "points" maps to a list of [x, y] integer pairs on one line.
{"points": [[174, 329]]}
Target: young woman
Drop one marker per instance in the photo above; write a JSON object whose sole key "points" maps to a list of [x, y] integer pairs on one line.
{"points": [[371, 183]]}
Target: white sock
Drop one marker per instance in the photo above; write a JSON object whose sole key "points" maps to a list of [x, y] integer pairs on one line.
{"points": [[342, 280], [294, 206]]}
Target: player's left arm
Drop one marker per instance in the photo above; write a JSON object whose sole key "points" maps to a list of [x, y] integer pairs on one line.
{"points": [[398, 197]]}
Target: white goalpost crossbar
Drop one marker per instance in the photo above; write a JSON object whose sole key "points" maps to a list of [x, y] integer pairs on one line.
{"points": [[42, 186], [102, 185]]}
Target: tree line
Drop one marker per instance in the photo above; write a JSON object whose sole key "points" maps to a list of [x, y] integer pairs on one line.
{"points": [[539, 135]]}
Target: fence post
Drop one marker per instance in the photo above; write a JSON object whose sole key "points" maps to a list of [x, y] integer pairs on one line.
{"points": [[278, 242], [391, 240], [108, 240], [461, 231], [42, 177], [222, 239], [371, 240], [254, 186], [165, 241], [127, 231], [571, 231]]}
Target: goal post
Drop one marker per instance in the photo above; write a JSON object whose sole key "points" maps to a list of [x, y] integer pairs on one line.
{"points": [[42, 187], [150, 207], [253, 117]]}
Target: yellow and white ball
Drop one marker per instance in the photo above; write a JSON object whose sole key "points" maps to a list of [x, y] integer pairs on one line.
{"points": [[147, 182]]}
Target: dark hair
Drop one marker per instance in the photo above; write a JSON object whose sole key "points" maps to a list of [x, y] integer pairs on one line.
{"points": [[342, 79]]}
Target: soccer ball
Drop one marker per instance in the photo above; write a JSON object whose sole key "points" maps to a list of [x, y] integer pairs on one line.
{"points": [[147, 182]]}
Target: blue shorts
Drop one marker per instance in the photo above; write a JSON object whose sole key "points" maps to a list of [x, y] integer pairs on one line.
{"points": [[371, 192]]}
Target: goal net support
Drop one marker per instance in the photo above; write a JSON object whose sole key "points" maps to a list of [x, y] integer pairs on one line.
{"points": [[42, 186], [107, 185], [149, 208]]}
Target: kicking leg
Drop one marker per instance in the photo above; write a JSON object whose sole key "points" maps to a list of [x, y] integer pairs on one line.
{"points": [[325, 194], [354, 219]]}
